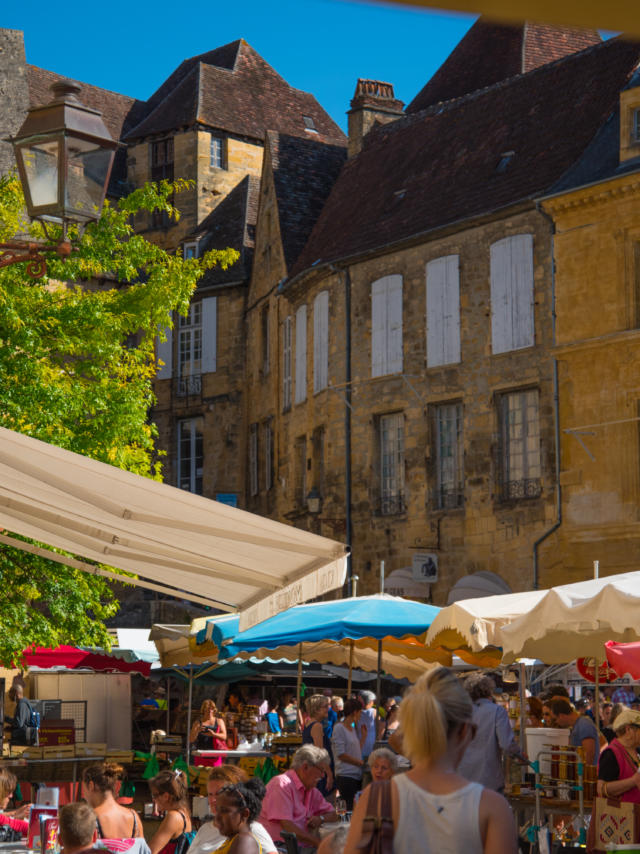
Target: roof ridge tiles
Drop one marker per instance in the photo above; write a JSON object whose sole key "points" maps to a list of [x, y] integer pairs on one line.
{"points": [[452, 103]]}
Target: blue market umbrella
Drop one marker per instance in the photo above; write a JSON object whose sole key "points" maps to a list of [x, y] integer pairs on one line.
{"points": [[364, 620]]}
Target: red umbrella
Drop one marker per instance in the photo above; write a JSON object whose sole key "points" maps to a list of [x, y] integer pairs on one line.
{"points": [[75, 658], [624, 658]]}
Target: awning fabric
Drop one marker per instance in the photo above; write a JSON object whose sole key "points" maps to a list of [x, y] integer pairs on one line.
{"points": [[76, 658], [556, 625], [183, 544]]}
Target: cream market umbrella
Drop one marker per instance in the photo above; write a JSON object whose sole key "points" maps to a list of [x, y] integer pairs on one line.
{"points": [[555, 625], [173, 541]]}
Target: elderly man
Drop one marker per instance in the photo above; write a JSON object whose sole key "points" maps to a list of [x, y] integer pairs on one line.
{"points": [[366, 725], [583, 730], [292, 802], [482, 759]]}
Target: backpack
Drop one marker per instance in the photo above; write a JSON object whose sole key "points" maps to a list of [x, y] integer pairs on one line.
{"points": [[33, 727]]}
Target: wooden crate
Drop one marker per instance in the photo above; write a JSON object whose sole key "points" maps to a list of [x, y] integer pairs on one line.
{"points": [[123, 757], [32, 753], [59, 751], [95, 750]]}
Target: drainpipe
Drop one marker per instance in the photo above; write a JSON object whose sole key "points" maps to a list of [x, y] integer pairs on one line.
{"points": [[347, 421], [556, 409]]}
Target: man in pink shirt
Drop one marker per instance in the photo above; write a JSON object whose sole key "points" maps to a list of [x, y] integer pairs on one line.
{"points": [[292, 802]]}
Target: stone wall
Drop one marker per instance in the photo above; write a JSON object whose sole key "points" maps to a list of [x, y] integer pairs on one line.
{"points": [[14, 93]]}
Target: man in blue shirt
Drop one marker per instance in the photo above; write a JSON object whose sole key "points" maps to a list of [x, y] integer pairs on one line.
{"points": [[583, 730]]}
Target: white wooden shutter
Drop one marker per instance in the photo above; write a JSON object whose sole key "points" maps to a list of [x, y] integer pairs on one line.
{"points": [[522, 290], [164, 353], [321, 341], [379, 328], [512, 295], [394, 324], [286, 363], [443, 311], [501, 323], [209, 334], [301, 354]]}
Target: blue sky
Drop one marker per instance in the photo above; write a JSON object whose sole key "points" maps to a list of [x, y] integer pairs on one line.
{"points": [[321, 46]]}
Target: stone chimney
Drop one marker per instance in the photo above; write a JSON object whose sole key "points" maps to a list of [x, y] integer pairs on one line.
{"points": [[373, 103], [14, 92]]}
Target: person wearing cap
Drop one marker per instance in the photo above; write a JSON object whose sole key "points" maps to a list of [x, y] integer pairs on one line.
{"points": [[618, 774], [583, 732]]}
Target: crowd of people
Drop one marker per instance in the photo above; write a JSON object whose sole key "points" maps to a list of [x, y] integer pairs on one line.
{"points": [[440, 747]]}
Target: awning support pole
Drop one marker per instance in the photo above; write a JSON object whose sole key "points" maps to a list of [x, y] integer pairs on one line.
{"points": [[350, 668], [189, 716], [299, 690]]}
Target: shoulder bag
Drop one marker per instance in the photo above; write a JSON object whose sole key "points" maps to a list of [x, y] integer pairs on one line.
{"points": [[377, 825]]}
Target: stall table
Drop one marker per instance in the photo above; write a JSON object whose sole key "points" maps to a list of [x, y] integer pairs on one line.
{"points": [[208, 758]]}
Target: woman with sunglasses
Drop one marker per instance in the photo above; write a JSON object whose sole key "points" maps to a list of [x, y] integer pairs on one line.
{"points": [[171, 797], [237, 807], [434, 808]]}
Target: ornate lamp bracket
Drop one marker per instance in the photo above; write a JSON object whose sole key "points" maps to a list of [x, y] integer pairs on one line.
{"points": [[33, 254]]}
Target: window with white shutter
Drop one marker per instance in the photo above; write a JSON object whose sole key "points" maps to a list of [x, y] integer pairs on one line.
{"points": [[164, 354], [286, 362], [301, 355], [386, 326], [209, 334], [512, 294], [321, 341], [443, 311]]}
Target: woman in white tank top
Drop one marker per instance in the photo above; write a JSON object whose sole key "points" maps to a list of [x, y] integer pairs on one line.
{"points": [[435, 810]]}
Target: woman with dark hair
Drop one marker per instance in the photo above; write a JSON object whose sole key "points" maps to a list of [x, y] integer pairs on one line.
{"points": [[315, 733], [101, 784], [15, 818], [209, 732], [237, 807], [209, 838], [170, 795], [347, 751]]}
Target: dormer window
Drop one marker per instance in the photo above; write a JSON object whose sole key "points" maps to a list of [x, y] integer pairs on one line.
{"points": [[635, 125], [309, 124], [190, 250], [505, 159]]}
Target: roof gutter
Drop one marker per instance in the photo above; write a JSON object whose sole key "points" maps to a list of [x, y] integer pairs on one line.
{"points": [[322, 266], [556, 410]]}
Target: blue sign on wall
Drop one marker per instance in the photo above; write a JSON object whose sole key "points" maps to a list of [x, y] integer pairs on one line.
{"points": [[229, 498]]}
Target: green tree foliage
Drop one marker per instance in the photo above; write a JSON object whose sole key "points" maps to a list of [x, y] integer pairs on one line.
{"points": [[76, 370]]}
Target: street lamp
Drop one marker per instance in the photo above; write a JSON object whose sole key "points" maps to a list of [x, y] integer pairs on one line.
{"points": [[64, 154]]}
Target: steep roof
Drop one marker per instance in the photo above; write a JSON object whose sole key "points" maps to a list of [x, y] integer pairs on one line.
{"points": [[448, 164], [304, 170], [231, 225], [233, 89], [490, 52], [120, 113]]}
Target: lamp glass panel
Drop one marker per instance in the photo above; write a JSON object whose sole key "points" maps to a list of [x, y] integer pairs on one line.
{"points": [[87, 171], [41, 167]]}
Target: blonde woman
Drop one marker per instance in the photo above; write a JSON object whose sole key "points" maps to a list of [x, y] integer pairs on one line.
{"points": [[434, 808]]}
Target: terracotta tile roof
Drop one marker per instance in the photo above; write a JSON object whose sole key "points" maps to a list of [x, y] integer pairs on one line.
{"points": [[490, 52], [304, 170], [246, 98], [439, 167], [231, 225]]}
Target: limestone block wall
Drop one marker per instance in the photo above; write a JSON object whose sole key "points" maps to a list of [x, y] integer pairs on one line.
{"points": [[14, 92], [597, 254]]}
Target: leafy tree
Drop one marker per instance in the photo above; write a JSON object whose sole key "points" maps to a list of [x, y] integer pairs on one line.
{"points": [[76, 370]]}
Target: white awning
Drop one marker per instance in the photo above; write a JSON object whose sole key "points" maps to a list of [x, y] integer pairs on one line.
{"points": [[175, 542]]}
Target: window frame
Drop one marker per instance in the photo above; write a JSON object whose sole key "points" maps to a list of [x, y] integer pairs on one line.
{"points": [[196, 451], [300, 471], [529, 484], [449, 486], [391, 483], [219, 159], [254, 484], [287, 363], [190, 339]]}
